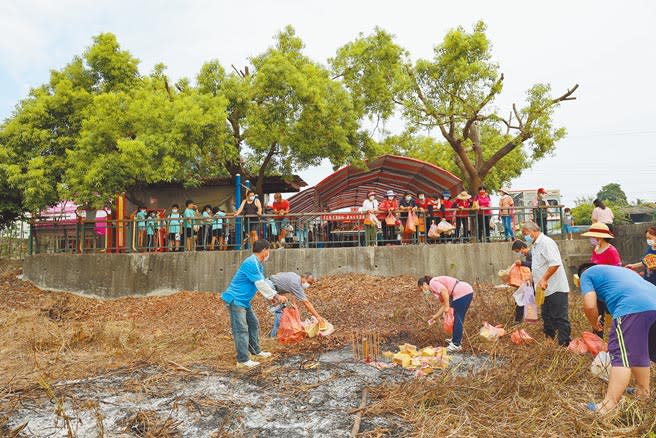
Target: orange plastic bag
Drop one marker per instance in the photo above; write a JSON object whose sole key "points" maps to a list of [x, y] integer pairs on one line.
{"points": [[291, 329], [411, 222], [594, 343], [449, 320], [519, 275], [519, 337]]}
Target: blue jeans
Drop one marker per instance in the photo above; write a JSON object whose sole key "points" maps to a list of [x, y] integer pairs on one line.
{"points": [[245, 331], [277, 314], [460, 307], [507, 227]]}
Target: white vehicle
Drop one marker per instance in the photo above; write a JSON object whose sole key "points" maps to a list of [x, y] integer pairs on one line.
{"points": [[524, 200]]}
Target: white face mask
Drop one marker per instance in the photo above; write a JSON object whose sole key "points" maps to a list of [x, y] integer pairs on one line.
{"points": [[651, 242], [408, 198], [305, 285], [371, 198], [594, 241], [391, 198], [266, 258], [175, 210], [421, 197], [250, 198]]}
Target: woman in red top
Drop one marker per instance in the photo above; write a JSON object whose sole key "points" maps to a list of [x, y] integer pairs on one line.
{"points": [[280, 207], [484, 214], [462, 203], [603, 253], [387, 207], [423, 206]]}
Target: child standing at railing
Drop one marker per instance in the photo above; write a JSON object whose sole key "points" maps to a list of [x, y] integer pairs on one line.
{"points": [[140, 217], [217, 229], [151, 224], [174, 228]]}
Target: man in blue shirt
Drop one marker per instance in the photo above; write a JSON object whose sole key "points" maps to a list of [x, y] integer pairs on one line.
{"points": [[248, 280], [632, 342]]}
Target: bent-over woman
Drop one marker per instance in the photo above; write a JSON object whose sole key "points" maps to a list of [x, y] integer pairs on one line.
{"points": [[452, 293]]}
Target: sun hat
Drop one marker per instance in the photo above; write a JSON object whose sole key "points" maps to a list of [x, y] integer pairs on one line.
{"points": [[598, 230], [463, 195], [390, 193], [371, 193], [504, 191], [541, 190], [446, 193]]}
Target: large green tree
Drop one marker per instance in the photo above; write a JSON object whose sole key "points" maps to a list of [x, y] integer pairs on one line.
{"points": [[613, 193], [285, 113], [453, 93]]}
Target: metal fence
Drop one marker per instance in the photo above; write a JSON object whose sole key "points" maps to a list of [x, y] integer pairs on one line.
{"points": [[310, 230], [14, 241]]}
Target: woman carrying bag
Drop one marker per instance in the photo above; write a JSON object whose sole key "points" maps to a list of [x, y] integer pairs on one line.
{"points": [[388, 209]]}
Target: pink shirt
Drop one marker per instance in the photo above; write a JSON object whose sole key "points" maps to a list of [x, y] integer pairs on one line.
{"points": [[609, 256], [605, 216], [456, 291]]}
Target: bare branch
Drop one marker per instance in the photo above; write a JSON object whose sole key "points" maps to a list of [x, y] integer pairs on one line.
{"points": [[519, 119], [567, 95], [241, 75]]}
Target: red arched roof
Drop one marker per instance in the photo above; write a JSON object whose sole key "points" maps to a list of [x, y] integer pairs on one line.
{"points": [[348, 186]]}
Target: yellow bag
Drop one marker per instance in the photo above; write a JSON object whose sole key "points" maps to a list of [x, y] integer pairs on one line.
{"points": [[539, 296]]}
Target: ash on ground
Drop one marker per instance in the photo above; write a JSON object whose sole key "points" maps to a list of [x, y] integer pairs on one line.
{"points": [[301, 396]]}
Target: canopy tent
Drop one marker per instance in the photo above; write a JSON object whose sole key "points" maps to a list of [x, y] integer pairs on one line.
{"points": [[349, 186]]}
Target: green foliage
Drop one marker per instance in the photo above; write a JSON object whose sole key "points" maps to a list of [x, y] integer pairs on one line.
{"points": [[453, 93], [613, 193], [582, 214]]}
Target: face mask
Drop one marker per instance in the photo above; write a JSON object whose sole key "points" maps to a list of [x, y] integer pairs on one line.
{"points": [[421, 197], [266, 258], [651, 242], [371, 198], [447, 198], [175, 210], [305, 285], [250, 198], [528, 239], [408, 198], [482, 192], [593, 241], [426, 290], [391, 198]]}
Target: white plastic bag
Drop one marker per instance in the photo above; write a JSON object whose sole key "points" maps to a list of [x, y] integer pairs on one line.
{"points": [[601, 366]]}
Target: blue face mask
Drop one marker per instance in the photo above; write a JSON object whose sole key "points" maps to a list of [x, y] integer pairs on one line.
{"points": [[528, 239]]}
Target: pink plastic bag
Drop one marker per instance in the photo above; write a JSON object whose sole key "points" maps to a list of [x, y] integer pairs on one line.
{"points": [[594, 343], [519, 337]]}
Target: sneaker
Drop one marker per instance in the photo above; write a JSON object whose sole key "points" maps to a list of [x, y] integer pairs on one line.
{"points": [[448, 340], [453, 348], [247, 364], [263, 354]]}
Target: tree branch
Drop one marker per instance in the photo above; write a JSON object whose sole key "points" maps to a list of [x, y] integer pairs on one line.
{"points": [[567, 95], [519, 119]]}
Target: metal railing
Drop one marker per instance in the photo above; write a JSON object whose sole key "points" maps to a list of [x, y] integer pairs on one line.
{"points": [[308, 230]]}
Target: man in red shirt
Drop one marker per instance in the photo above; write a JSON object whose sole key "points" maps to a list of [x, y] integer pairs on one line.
{"points": [[280, 208]]}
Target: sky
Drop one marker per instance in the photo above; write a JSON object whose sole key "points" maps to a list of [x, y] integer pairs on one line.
{"points": [[605, 47]]}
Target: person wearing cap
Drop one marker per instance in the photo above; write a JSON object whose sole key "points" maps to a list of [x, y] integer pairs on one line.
{"points": [[603, 253], [370, 208], [506, 205], [462, 203], [389, 207], [632, 341], [539, 205]]}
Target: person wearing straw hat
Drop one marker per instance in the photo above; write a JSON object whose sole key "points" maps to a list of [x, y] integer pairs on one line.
{"points": [[632, 341], [603, 253], [462, 203], [506, 205], [370, 208], [389, 207]]}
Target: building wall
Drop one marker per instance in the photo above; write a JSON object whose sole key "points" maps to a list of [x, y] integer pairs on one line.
{"points": [[117, 275]]}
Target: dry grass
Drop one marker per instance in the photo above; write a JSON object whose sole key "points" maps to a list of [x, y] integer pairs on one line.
{"points": [[536, 390]]}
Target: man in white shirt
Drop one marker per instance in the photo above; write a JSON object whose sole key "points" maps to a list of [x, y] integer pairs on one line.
{"points": [[370, 208], [549, 275]]}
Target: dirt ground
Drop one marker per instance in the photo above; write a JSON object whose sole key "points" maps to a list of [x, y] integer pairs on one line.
{"points": [[164, 366]]}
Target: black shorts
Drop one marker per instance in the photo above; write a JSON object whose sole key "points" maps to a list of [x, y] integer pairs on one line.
{"points": [[217, 232], [173, 238], [189, 232]]}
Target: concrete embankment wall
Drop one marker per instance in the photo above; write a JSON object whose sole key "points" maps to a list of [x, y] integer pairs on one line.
{"points": [[118, 275]]}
